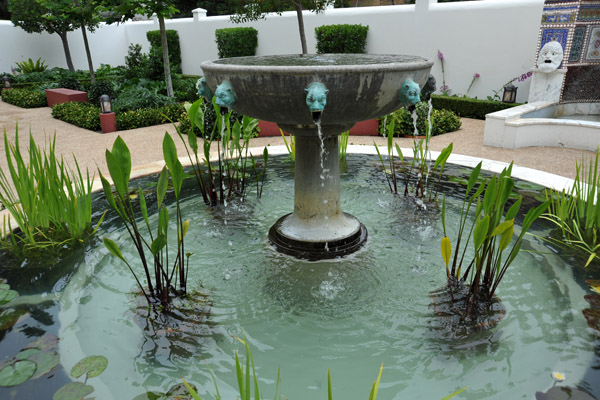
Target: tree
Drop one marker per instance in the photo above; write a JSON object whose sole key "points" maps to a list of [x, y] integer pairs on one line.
{"points": [[252, 10], [82, 13], [123, 10], [33, 17]]}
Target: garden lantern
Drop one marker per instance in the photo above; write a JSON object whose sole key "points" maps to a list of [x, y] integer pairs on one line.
{"points": [[6, 81], [510, 94], [105, 104]]}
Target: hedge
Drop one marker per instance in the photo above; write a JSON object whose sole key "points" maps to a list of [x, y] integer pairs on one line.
{"points": [[155, 55], [443, 121], [341, 38], [468, 107], [149, 117], [83, 115], [236, 42], [26, 98]]}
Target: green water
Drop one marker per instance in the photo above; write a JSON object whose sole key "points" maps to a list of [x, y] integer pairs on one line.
{"points": [[316, 60], [350, 315]]}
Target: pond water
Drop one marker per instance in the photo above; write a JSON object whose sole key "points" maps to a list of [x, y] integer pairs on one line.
{"points": [[350, 315]]}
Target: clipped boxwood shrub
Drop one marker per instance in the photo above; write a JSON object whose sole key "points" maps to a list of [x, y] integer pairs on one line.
{"points": [[443, 121], [468, 107], [236, 42], [341, 38], [155, 55], [26, 98], [149, 116], [83, 115]]}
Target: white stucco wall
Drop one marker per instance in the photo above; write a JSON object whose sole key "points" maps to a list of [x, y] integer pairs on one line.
{"points": [[495, 38]]}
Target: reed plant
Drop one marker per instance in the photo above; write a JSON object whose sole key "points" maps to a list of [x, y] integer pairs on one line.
{"points": [[415, 173], [235, 164], [576, 212], [491, 233], [50, 202], [161, 271], [245, 379], [291, 146]]}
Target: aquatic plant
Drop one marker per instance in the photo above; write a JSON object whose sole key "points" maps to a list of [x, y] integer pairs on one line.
{"points": [[291, 146], [91, 367], [35, 360], [245, 379], [153, 249], [235, 163], [576, 212], [50, 202], [491, 233]]}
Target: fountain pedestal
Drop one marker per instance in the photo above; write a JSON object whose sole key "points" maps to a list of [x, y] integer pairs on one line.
{"points": [[318, 228]]}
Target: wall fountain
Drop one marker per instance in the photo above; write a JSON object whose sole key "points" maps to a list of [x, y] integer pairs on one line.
{"points": [[316, 98]]}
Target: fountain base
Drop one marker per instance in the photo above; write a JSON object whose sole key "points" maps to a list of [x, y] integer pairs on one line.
{"points": [[305, 242]]}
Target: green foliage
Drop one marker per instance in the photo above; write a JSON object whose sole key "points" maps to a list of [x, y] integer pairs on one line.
{"points": [[98, 89], [51, 203], [468, 107], [155, 56], [68, 80], [344, 38], [184, 88], [152, 248], [235, 163], [148, 116], [137, 63], [491, 234], [29, 66], [33, 361], [576, 212], [236, 42], [442, 121], [144, 94], [25, 98], [83, 115], [91, 366]]}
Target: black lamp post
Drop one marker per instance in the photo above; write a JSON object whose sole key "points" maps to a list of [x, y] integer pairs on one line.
{"points": [[510, 94], [105, 104]]}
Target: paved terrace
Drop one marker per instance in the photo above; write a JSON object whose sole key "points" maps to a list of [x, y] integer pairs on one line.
{"points": [[145, 144]]}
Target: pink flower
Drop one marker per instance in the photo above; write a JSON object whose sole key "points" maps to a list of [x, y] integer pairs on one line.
{"points": [[441, 55], [476, 75]]}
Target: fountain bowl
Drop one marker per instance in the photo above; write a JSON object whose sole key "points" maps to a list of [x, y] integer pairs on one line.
{"points": [[361, 86]]}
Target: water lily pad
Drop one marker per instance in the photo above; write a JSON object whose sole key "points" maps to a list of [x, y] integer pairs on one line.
{"points": [[7, 295], [46, 361], [4, 286], [151, 396], [46, 342], [73, 391], [92, 366], [9, 317], [593, 299], [592, 315], [179, 391], [25, 354], [528, 185], [16, 373], [563, 393]]}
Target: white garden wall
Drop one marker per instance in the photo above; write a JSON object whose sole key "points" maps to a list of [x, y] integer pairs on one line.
{"points": [[495, 38]]}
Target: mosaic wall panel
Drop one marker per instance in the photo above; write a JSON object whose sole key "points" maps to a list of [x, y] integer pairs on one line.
{"points": [[577, 44], [589, 13], [554, 34], [581, 84], [592, 51]]}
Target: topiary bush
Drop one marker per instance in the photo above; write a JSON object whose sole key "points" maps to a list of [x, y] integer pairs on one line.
{"points": [[83, 115], [341, 38], [442, 121], [236, 42], [468, 107], [149, 116], [137, 63], [26, 98], [155, 59]]}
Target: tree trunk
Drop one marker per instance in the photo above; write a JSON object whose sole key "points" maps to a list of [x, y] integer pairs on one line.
{"points": [[165, 53], [298, 6], [88, 53], [65, 43]]}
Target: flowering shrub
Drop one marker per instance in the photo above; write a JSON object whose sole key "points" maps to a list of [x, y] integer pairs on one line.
{"points": [[520, 78]]}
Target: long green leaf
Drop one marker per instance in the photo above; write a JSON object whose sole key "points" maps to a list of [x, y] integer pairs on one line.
{"points": [[481, 231], [161, 187], [473, 177], [113, 248]]}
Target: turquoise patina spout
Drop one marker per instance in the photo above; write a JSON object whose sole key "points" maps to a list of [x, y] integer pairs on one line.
{"points": [[316, 99], [204, 90], [409, 93], [225, 95]]}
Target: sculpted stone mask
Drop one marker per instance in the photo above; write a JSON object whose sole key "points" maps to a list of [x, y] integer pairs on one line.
{"points": [[550, 57], [409, 93]]}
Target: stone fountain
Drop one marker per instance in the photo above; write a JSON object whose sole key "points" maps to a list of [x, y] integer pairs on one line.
{"points": [[316, 98]]}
